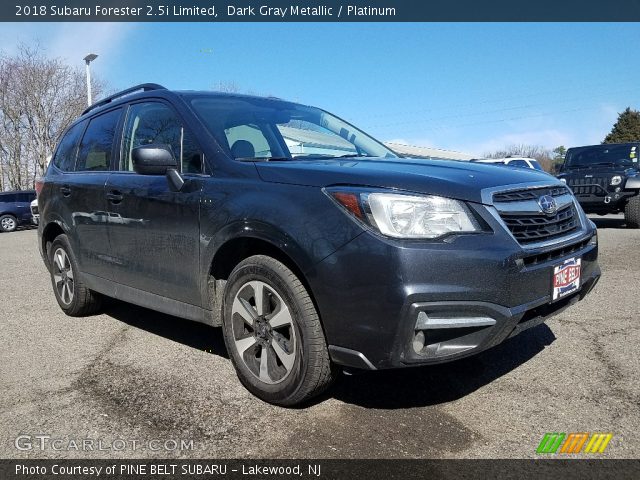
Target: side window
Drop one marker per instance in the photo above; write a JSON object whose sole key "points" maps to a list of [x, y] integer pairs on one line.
{"points": [[247, 141], [518, 163], [65, 158], [9, 198], [156, 123], [97, 143]]}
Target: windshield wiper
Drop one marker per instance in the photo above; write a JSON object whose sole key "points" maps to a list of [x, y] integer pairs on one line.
{"points": [[263, 159]]}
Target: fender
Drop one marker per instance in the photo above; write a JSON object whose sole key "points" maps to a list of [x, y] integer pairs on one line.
{"points": [[633, 183]]}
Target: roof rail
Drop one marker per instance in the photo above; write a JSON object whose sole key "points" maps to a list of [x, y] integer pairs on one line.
{"points": [[145, 87]]}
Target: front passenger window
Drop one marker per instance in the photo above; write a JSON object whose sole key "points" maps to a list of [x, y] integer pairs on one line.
{"points": [[156, 123]]}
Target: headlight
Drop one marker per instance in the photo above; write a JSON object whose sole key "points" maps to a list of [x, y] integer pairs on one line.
{"points": [[616, 180], [563, 180], [408, 216]]}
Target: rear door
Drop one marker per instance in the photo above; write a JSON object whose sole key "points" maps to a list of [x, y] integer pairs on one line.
{"points": [[153, 230], [83, 192]]}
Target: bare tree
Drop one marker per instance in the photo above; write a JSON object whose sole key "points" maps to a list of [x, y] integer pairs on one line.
{"points": [[39, 98]]}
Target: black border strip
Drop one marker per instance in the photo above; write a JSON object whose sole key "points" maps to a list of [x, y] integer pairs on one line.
{"points": [[324, 11]]}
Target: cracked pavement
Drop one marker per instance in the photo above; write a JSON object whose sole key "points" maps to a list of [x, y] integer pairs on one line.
{"points": [[133, 374]]}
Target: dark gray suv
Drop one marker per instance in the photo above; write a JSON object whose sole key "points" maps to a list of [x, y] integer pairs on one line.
{"points": [[313, 245]]}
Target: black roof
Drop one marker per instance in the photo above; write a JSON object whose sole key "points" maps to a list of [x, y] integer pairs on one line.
{"points": [[146, 89]]}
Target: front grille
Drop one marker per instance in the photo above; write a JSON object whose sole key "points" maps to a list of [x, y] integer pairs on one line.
{"points": [[540, 227], [589, 186], [532, 260], [532, 194]]}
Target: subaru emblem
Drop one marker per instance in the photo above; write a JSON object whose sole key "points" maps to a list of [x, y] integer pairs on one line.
{"points": [[548, 205]]}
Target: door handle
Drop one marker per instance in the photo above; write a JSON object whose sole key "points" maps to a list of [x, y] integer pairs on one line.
{"points": [[114, 196], [65, 190]]}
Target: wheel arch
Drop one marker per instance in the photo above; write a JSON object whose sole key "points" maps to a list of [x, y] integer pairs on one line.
{"points": [[236, 249], [49, 233]]}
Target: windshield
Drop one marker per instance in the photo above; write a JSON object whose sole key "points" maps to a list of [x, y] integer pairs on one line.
{"points": [[251, 129], [613, 155]]}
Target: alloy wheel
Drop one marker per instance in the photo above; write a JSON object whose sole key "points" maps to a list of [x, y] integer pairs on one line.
{"points": [[63, 276], [263, 332], [8, 224]]}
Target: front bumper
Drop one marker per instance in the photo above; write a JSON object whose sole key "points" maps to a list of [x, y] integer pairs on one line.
{"points": [[612, 201], [371, 292]]}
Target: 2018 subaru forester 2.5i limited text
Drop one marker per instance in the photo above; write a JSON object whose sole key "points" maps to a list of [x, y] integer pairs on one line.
{"points": [[313, 245]]}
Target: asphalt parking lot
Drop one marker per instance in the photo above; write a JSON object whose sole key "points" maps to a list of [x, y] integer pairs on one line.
{"points": [[133, 374]]}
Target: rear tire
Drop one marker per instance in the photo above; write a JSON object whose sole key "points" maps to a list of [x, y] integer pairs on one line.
{"points": [[273, 333], [632, 212], [74, 298], [8, 223]]}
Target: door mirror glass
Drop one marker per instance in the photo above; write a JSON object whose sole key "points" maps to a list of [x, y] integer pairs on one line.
{"points": [[154, 159]]}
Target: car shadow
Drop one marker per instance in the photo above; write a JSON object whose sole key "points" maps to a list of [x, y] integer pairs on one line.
{"points": [[384, 389], [609, 222], [192, 334], [436, 384]]}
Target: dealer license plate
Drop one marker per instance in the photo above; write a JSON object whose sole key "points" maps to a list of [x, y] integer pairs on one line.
{"points": [[566, 278]]}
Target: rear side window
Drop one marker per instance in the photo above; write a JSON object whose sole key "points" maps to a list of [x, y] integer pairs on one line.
{"points": [[26, 197], [65, 158], [8, 198], [96, 147], [156, 123], [518, 163]]}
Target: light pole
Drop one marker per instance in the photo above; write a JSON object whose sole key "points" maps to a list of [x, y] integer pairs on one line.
{"points": [[87, 60]]}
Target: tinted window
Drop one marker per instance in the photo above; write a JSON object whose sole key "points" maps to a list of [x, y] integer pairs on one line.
{"points": [[536, 165], [606, 155], [26, 197], [97, 143], [8, 198], [65, 158], [156, 123], [518, 163]]}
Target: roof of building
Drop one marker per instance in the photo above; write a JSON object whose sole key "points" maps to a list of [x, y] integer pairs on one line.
{"points": [[427, 152]]}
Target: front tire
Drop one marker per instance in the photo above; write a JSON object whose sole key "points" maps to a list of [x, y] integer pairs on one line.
{"points": [[273, 333], [8, 223], [632, 212], [74, 298]]}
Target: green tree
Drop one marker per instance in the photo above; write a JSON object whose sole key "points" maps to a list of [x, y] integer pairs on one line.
{"points": [[626, 128]]}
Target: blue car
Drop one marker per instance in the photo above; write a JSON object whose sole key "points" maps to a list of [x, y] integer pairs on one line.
{"points": [[15, 209]]}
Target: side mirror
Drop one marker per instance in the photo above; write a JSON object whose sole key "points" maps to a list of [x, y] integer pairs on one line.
{"points": [[154, 159], [157, 159]]}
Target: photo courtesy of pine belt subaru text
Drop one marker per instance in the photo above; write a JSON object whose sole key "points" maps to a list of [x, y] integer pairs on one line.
{"points": [[313, 246]]}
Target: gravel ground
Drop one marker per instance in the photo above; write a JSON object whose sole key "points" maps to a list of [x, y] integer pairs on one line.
{"points": [[133, 374]]}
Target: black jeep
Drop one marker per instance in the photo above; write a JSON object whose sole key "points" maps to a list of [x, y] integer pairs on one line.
{"points": [[605, 179]]}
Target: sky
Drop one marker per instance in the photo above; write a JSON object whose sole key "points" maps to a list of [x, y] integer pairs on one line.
{"points": [[471, 87]]}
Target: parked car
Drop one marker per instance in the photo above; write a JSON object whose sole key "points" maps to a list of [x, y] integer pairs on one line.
{"points": [[35, 216], [605, 179], [15, 209], [190, 203], [521, 162]]}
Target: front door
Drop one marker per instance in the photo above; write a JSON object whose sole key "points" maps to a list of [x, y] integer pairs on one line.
{"points": [[153, 230]]}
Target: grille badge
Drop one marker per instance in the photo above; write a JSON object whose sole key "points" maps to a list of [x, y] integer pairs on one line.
{"points": [[548, 205]]}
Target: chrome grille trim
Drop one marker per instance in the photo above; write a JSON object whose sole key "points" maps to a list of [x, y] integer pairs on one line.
{"points": [[529, 209]]}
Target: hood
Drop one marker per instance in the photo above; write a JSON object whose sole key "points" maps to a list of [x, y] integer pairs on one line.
{"points": [[454, 179]]}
